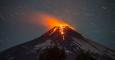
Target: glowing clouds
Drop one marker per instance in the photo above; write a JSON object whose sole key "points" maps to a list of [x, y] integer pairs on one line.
{"points": [[51, 21]]}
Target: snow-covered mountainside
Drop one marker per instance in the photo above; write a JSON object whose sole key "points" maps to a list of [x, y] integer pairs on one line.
{"points": [[65, 38]]}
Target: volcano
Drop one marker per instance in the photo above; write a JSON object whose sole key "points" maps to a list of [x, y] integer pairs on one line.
{"points": [[61, 36]]}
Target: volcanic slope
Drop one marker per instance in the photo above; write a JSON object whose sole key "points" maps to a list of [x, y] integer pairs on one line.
{"points": [[61, 36]]}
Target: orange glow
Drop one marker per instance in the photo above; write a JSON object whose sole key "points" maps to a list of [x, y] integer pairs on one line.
{"points": [[53, 30], [62, 30], [51, 21]]}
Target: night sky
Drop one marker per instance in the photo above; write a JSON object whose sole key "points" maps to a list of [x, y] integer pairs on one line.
{"points": [[95, 19]]}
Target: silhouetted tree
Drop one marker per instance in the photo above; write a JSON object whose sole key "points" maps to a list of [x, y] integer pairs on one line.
{"points": [[84, 56], [53, 53]]}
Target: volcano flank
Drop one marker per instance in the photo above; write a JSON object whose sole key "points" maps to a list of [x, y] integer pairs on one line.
{"points": [[62, 37]]}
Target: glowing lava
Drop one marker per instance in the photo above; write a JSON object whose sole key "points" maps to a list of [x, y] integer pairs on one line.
{"points": [[51, 21], [62, 30]]}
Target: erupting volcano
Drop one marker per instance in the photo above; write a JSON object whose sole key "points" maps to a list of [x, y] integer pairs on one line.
{"points": [[62, 35]]}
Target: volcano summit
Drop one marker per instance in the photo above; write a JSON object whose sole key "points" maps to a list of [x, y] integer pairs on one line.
{"points": [[63, 37]]}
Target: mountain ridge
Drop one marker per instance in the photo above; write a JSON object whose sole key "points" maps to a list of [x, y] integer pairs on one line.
{"points": [[64, 36]]}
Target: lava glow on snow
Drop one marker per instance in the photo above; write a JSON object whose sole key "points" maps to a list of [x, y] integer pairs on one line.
{"points": [[51, 21], [61, 30]]}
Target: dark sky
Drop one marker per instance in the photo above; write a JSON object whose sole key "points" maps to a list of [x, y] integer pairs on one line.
{"points": [[95, 19]]}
